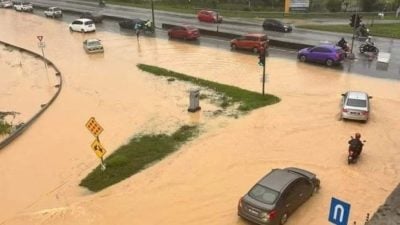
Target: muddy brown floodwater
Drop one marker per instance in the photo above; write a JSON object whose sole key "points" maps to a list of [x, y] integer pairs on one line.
{"points": [[203, 181]]}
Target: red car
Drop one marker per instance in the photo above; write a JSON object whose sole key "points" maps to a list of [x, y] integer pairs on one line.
{"points": [[186, 32], [209, 16], [251, 41]]}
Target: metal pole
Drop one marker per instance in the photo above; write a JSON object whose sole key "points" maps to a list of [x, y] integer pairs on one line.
{"points": [[152, 15], [263, 80], [354, 32]]}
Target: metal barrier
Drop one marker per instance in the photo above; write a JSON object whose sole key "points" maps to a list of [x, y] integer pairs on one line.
{"points": [[24, 126]]}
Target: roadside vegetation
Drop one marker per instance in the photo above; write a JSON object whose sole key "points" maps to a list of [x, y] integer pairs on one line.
{"points": [[144, 150], [5, 128], [381, 30]]}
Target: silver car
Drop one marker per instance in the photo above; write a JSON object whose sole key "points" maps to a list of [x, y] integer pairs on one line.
{"points": [[93, 46], [355, 105]]}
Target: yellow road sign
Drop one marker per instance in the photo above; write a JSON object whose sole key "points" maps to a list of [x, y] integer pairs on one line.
{"points": [[94, 127], [98, 148]]}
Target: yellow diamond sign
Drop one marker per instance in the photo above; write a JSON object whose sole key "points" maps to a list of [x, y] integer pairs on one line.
{"points": [[98, 148]]}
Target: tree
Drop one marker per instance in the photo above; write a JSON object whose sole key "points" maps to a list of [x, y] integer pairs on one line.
{"points": [[334, 5], [369, 5]]}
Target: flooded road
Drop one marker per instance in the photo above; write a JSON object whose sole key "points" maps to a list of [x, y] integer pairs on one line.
{"points": [[203, 181]]}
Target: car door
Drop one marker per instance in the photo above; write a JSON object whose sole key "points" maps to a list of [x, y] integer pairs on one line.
{"points": [[315, 54], [290, 199], [305, 189], [77, 25]]}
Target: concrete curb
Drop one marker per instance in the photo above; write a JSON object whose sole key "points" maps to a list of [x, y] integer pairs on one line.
{"points": [[16, 133]]}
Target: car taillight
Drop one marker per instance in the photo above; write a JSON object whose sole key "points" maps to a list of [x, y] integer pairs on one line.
{"points": [[364, 113], [345, 110], [272, 215], [337, 55]]}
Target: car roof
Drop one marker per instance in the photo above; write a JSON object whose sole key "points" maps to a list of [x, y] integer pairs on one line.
{"points": [[83, 20], [278, 179], [357, 95], [255, 34]]}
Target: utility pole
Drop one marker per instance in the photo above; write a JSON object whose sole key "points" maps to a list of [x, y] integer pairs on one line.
{"points": [[152, 15], [261, 62]]}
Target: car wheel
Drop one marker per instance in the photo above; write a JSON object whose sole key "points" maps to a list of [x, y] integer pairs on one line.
{"points": [[82, 30], [283, 219], [70, 29], [303, 58], [255, 50], [233, 46], [329, 62]]}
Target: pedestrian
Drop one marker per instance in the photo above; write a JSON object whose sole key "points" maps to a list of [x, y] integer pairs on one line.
{"points": [[397, 12], [137, 30]]}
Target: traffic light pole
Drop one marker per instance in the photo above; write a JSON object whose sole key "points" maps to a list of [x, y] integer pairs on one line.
{"points": [[351, 56]]}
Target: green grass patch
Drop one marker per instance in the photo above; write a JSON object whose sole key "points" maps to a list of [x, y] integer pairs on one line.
{"points": [[5, 128], [247, 100], [139, 153], [391, 30]]}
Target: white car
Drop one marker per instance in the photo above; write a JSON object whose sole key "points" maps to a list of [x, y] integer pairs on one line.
{"points": [[82, 25], [23, 6], [53, 12], [6, 4], [93, 46], [355, 105]]}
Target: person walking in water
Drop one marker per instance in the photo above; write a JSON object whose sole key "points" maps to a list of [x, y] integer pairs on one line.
{"points": [[138, 27]]}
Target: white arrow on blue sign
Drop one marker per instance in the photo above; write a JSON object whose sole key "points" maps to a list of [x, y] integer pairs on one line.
{"points": [[339, 212]]}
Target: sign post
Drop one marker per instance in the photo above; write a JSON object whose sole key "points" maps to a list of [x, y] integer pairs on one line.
{"points": [[339, 212], [95, 128], [42, 45]]}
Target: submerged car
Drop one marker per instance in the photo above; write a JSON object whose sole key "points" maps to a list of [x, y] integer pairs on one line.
{"points": [[82, 25], [186, 32], [131, 23], [250, 41], [276, 25], [93, 46], [327, 54], [53, 12], [355, 105], [277, 195], [6, 4]]}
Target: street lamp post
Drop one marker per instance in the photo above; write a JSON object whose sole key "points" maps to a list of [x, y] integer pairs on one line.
{"points": [[152, 16]]}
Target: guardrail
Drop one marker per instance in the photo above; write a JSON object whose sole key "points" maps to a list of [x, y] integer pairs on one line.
{"points": [[24, 126]]}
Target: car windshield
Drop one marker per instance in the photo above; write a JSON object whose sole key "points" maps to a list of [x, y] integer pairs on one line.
{"points": [[356, 102], [263, 194], [94, 43]]}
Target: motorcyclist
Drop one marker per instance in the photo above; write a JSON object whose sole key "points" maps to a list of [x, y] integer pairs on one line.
{"points": [[356, 145], [342, 43], [363, 30], [148, 24]]}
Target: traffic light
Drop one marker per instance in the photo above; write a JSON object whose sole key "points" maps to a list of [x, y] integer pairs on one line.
{"points": [[261, 57], [358, 20], [355, 20], [352, 20]]}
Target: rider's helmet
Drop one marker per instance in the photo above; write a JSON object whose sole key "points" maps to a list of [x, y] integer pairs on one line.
{"points": [[358, 135]]}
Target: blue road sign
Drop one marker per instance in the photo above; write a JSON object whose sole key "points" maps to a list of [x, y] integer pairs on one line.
{"points": [[339, 212]]}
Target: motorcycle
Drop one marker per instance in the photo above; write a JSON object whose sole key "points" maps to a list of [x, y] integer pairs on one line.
{"points": [[353, 157], [344, 46], [368, 46]]}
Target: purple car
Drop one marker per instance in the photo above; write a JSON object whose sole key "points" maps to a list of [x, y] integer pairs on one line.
{"points": [[327, 54]]}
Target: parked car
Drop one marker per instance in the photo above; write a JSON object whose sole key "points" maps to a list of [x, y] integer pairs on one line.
{"points": [[93, 46], [277, 195], [95, 17], [82, 25], [355, 105], [327, 54], [186, 32], [276, 25], [131, 23], [250, 41], [6, 4], [53, 12], [209, 16], [23, 6]]}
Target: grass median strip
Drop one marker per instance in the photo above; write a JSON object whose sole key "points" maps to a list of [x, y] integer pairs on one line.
{"points": [[140, 152], [391, 30], [248, 100], [144, 150]]}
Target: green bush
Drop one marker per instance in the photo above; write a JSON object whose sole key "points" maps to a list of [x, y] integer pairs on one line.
{"points": [[334, 5]]}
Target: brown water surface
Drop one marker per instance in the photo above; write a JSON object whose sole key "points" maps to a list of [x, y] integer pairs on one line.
{"points": [[203, 181]]}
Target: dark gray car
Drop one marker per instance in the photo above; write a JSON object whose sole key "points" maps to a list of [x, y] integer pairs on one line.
{"points": [[276, 25], [277, 195]]}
